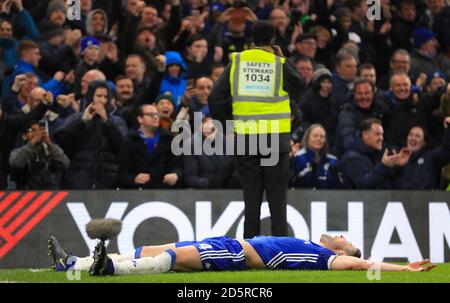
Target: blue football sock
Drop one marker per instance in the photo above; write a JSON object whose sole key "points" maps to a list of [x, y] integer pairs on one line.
{"points": [[110, 267], [137, 252], [66, 264], [173, 255]]}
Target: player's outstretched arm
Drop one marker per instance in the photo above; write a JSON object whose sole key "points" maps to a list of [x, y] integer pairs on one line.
{"points": [[352, 263]]}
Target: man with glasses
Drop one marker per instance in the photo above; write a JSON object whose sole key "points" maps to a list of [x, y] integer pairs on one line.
{"points": [[305, 46], [145, 158]]}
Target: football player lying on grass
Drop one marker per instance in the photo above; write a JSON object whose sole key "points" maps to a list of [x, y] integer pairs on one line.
{"points": [[226, 254]]}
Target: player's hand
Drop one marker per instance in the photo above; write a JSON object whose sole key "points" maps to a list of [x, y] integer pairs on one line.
{"points": [[421, 79], [298, 30], [19, 5], [295, 147], [73, 103], [142, 178], [278, 51], [423, 265], [385, 28], [402, 157], [170, 179], [100, 110], [6, 7], [70, 77], [59, 76], [386, 159], [19, 81], [251, 15], [161, 63], [46, 137], [447, 122], [111, 51], [88, 113], [225, 16]]}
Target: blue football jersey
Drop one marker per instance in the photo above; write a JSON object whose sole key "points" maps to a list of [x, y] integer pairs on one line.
{"points": [[292, 253]]}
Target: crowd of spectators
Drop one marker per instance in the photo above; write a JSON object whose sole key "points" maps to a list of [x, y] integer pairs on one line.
{"points": [[89, 102]]}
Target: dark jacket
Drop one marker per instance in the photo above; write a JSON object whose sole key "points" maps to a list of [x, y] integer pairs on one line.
{"points": [[349, 120], [128, 112], [341, 91], [92, 147], [424, 167], [401, 116], [10, 126], [441, 24], [207, 171], [134, 159], [361, 167], [432, 117], [56, 58], [80, 70], [423, 64], [324, 111], [196, 70], [220, 101], [401, 34], [39, 166]]}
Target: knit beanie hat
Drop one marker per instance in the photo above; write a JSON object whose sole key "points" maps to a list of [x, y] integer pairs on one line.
{"points": [[87, 42], [55, 5], [165, 96], [321, 73]]}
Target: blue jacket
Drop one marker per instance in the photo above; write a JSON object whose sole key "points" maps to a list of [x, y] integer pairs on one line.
{"points": [[340, 91], [176, 86], [306, 173], [361, 167], [52, 85]]}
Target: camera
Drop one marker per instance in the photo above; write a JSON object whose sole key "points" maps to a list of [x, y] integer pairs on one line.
{"points": [[297, 134]]}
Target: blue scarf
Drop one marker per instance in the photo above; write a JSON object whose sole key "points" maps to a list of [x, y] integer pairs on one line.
{"points": [[150, 143]]}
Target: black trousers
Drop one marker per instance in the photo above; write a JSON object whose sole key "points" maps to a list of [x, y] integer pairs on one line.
{"points": [[255, 179]]}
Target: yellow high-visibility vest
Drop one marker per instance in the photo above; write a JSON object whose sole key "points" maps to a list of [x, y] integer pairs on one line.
{"points": [[260, 104]]}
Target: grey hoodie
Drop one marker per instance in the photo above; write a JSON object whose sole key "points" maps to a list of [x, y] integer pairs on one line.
{"points": [[89, 28]]}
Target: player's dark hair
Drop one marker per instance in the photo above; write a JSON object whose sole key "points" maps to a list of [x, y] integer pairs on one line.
{"points": [[357, 253]]}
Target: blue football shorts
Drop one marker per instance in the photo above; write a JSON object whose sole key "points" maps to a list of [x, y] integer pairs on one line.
{"points": [[218, 253]]}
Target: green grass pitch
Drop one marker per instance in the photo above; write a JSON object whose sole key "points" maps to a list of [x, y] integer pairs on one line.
{"points": [[440, 274]]}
